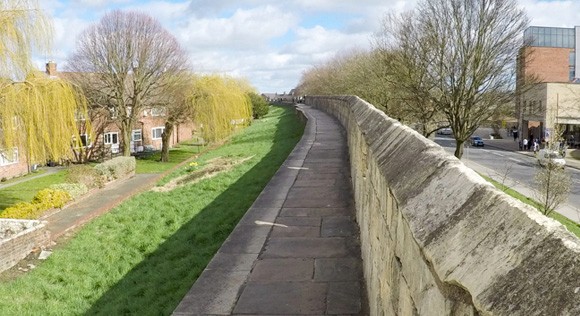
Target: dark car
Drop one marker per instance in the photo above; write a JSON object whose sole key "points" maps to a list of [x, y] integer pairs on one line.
{"points": [[477, 141]]}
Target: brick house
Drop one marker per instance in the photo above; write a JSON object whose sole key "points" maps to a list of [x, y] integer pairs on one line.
{"points": [[145, 135], [12, 163]]}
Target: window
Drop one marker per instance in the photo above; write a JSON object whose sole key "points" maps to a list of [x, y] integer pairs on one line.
{"points": [[111, 138], [8, 158], [85, 140], [136, 135], [156, 132]]}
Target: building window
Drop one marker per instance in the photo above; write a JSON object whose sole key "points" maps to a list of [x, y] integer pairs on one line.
{"points": [[136, 135], [8, 158], [156, 132], [85, 140], [111, 138]]}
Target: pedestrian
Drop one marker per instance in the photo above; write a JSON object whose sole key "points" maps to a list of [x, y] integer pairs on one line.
{"points": [[536, 145], [520, 144], [525, 143]]}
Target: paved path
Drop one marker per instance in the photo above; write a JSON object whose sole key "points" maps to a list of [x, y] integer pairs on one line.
{"points": [[97, 203], [49, 170], [296, 251]]}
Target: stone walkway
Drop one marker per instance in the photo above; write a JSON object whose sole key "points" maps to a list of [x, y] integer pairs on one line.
{"points": [[296, 251]]}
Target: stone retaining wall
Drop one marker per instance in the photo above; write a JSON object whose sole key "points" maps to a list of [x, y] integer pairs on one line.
{"points": [[437, 239], [18, 238]]}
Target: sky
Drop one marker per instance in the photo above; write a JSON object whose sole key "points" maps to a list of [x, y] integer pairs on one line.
{"points": [[270, 43]]}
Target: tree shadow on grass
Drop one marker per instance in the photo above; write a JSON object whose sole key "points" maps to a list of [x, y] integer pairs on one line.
{"points": [[157, 284], [8, 198]]}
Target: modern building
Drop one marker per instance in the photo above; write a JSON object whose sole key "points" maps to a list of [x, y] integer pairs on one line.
{"points": [[548, 85]]}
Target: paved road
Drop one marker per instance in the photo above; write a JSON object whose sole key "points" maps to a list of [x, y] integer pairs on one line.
{"points": [[513, 169]]}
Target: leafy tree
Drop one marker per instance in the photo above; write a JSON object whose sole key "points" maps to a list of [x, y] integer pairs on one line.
{"points": [[38, 114], [126, 63], [259, 106]]}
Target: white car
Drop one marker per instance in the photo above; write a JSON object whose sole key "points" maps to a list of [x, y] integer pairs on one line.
{"points": [[445, 131], [548, 157]]}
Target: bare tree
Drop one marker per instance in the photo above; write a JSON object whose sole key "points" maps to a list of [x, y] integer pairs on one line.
{"points": [[459, 57], [127, 62], [552, 187]]}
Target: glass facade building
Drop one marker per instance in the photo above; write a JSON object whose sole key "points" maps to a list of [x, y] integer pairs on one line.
{"points": [[558, 37], [550, 37]]}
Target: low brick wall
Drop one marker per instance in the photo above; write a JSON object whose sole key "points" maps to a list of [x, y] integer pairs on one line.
{"points": [[18, 238], [437, 239]]}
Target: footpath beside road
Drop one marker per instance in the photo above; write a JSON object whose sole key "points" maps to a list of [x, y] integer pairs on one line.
{"points": [[570, 211]]}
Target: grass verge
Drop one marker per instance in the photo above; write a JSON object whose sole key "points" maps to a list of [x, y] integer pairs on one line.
{"points": [[572, 226], [143, 256], [25, 191], [181, 152]]}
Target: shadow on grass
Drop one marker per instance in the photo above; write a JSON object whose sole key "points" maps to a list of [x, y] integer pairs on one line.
{"points": [[8, 198], [157, 284]]}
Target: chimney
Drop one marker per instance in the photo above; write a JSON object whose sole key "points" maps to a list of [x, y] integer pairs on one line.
{"points": [[51, 68]]}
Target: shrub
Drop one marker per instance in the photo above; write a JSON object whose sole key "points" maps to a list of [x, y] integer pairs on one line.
{"points": [[73, 189], [259, 106], [84, 174], [22, 210], [50, 198], [116, 168]]}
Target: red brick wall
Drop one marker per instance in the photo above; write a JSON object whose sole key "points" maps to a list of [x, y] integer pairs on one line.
{"points": [[549, 64], [17, 247], [17, 169]]}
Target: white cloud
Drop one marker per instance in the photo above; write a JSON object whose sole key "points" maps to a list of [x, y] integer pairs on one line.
{"points": [[270, 43]]}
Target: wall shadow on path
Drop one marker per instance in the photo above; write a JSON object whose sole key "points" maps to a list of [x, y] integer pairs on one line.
{"points": [[169, 272]]}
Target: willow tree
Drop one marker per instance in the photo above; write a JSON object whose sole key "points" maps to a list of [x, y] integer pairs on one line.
{"points": [[220, 106], [127, 63], [38, 114]]}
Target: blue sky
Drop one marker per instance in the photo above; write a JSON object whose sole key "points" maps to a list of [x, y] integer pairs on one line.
{"points": [[268, 42]]}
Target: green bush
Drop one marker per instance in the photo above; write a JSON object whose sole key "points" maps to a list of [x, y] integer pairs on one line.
{"points": [[50, 198], [22, 210], [43, 201], [84, 174], [116, 168], [259, 106], [75, 190]]}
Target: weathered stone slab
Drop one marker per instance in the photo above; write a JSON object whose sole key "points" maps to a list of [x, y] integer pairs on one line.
{"points": [[299, 221], [283, 298], [344, 298], [296, 231], [307, 248], [288, 269], [338, 226], [337, 269], [317, 212]]}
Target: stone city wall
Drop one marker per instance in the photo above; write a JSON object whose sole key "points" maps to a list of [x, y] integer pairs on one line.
{"points": [[18, 238], [437, 239]]}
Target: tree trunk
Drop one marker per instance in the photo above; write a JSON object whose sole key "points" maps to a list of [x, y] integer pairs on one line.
{"points": [[165, 138], [459, 148], [126, 127]]}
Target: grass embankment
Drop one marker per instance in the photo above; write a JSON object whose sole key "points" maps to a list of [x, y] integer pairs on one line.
{"points": [[572, 226], [143, 256], [25, 191], [180, 153]]}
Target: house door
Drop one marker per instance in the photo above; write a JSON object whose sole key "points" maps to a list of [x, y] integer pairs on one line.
{"points": [[112, 139]]}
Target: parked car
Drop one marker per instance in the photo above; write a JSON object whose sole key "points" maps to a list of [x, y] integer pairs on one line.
{"points": [[445, 131], [477, 141], [547, 157]]}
